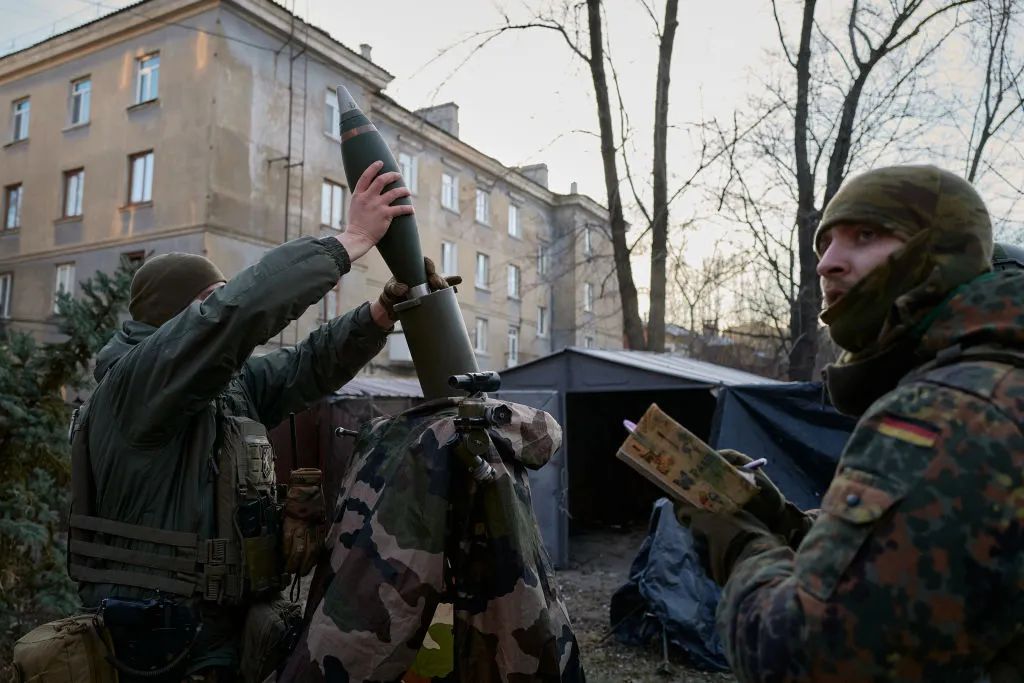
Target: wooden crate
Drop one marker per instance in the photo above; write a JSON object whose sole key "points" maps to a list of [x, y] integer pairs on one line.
{"points": [[683, 466]]}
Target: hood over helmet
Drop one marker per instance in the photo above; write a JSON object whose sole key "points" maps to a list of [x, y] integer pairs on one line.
{"points": [[948, 237]]}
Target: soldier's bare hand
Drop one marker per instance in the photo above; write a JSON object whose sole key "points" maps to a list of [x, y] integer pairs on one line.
{"points": [[371, 210]]}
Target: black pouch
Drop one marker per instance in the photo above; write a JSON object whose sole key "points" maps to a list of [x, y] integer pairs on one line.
{"points": [[152, 638]]}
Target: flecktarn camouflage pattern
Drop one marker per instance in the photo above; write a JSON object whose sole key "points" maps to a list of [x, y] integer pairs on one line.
{"points": [[914, 571], [413, 531]]}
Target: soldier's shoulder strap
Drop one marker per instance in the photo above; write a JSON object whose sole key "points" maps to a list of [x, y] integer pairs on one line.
{"points": [[957, 367]]}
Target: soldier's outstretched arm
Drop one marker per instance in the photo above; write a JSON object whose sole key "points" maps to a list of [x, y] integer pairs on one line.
{"points": [[188, 360], [912, 571], [288, 380]]}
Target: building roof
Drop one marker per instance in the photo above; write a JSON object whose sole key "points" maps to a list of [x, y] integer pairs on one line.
{"points": [[607, 370], [678, 366], [379, 387]]}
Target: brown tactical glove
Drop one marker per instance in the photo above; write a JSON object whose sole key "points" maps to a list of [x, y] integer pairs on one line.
{"points": [[305, 521], [770, 506], [396, 292], [727, 538]]}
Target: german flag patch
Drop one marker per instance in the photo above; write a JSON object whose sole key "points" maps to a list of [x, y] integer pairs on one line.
{"points": [[911, 432]]}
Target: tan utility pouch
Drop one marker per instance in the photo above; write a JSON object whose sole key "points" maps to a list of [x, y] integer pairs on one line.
{"points": [[69, 650]]}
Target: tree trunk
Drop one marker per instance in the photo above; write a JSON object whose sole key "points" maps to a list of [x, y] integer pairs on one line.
{"points": [[632, 326], [659, 227], [803, 317]]}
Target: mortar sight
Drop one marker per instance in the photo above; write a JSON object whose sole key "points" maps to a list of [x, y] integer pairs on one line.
{"points": [[476, 382]]}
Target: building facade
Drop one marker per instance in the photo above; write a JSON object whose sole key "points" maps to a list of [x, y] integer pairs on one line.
{"points": [[211, 127]]}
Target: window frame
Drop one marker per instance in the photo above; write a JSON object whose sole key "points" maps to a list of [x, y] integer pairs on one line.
{"points": [[481, 330], [513, 211], [515, 281], [543, 259], [6, 294], [85, 100], [589, 342], [8, 190], [588, 297], [588, 241], [512, 357], [453, 267], [340, 189], [153, 74], [485, 282], [410, 178], [483, 208], [70, 269], [68, 175], [148, 162], [453, 188], [21, 120], [332, 115], [543, 321]]}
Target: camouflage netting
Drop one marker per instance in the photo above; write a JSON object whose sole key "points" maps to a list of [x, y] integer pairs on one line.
{"points": [[412, 531]]}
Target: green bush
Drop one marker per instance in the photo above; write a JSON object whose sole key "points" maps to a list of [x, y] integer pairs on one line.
{"points": [[35, 466]]}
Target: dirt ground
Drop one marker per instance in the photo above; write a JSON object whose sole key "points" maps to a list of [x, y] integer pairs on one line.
{"points": [[599, 564]]}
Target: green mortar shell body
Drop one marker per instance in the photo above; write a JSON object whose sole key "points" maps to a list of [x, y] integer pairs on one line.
{"points": [[361, 145], [438, 340]]}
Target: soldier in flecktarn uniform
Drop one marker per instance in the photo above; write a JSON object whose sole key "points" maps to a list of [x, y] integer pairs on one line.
{"points": [[913, 570]]}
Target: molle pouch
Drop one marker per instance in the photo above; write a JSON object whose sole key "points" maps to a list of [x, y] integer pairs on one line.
{"points": [[248, 516], [69, 650], [151, 637], [850, 512]]}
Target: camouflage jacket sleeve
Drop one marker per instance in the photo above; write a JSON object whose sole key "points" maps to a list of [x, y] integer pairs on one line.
{"points": [[913, 571], [191, 358], [289, 379]]}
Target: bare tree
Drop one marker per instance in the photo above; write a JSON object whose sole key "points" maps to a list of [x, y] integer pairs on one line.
{"points": [[847, 100], [584, 34], [1000, 102]]}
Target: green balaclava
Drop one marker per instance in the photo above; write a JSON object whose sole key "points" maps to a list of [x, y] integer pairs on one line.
{"points": [[948, 237], [165, 285]]}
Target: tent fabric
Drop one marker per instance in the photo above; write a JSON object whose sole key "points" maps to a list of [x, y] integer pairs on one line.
{"points": [[792, 426], [668, 589]]}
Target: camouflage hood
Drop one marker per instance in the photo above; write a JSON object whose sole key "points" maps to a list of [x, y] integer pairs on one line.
{"points": [[948, 237]]}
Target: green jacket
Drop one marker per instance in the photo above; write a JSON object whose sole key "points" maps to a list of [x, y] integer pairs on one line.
{"points": [[152, 417]]}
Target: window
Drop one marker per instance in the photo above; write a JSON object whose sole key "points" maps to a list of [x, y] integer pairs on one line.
{"points": [[543, 260], [134, 259], [588, 297], [513, 221], [65, 283], [513, 346], [407, 165], [332, 205], [449, 258], [81, 91], [588, 342], [140, 178], [20, 111], [543, 323], [480, 345], [588, 245], [329, 305], [332, 117], [449, 191], [483, 207], [12, 207], [74, 181], [513, 282], [483, 270], [147, 83], [6, 284]]}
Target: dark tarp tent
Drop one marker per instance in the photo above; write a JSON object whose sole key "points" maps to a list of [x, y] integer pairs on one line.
{"points": [[668, 594]]}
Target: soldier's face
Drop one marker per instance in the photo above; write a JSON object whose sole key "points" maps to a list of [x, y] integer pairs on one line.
{"points": [[849, 251]]}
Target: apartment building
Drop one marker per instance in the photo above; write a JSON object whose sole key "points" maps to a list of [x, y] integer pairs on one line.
{"points": [[210, 127]]}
